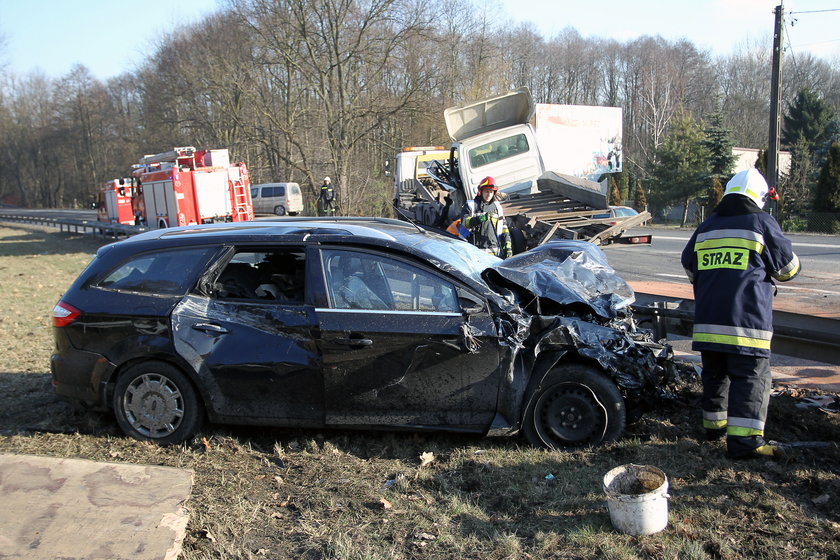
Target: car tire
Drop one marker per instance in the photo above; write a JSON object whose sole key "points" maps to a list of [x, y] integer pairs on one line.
{"points": [[154, 401], [574, 405], [280, 210]]}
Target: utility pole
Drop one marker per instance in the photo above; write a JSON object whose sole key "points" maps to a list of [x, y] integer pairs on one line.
{"points": [[775, 101]]}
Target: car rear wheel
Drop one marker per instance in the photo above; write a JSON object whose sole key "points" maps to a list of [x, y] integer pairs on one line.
{"points": [[154, 401], [280, 210], [574, 405]]}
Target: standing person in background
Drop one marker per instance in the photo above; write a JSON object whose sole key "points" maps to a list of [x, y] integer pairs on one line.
{"points": [[326, 199], [484, 218], [732, 260]]}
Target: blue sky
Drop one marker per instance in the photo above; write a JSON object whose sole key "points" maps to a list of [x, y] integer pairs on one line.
{"points": [[114, 36]]}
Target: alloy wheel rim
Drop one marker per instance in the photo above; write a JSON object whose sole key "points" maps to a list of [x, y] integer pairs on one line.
{"points": [[153, 405]]}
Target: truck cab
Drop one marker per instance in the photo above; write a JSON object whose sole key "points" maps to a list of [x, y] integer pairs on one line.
{"points": [[494, 137]]}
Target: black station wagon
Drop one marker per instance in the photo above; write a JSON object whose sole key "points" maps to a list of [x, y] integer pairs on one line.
{"points": [[354, 323]]}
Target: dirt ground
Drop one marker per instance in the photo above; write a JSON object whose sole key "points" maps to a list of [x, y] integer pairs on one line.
{"points": [[271, 493]]}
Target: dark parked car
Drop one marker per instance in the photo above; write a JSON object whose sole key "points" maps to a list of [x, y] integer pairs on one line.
{"points": [[354, 323]]}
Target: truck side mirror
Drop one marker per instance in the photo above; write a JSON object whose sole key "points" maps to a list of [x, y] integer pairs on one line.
{"points": [[387, 167]]}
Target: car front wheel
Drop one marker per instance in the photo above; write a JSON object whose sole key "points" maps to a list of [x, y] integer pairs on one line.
{"points": [[154, 401], [280, 210], [574, 405]]}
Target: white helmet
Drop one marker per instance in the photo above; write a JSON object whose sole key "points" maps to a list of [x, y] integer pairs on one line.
{"points": [[326, 179], [751, 183]]}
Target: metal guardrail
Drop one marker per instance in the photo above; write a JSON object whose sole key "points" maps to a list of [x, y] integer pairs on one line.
{"points": [[794, 334], [114, 231]]}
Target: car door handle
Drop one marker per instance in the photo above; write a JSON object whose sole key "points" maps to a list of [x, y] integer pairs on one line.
{"points": [[354, 341], [210, 328]]}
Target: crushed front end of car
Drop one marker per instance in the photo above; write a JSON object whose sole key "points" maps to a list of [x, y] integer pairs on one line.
{"points": [[569, 305]]}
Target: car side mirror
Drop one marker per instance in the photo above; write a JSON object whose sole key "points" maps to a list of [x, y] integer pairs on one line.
{"points": [[470, 306]]}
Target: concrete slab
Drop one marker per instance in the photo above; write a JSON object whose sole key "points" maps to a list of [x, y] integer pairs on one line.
{"points": [[74, 508]]}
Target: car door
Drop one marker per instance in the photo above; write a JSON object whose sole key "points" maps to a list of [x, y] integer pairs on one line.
{"points": [[248, 333], [397, 348]]}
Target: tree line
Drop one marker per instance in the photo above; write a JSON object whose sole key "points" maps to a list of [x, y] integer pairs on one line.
{"points": [[302, 89]]}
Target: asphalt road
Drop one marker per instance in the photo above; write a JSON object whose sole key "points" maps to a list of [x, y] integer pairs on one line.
{"points": [[816, 287]]}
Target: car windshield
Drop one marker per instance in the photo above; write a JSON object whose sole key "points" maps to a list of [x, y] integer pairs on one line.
{"points": [[464, 257]]}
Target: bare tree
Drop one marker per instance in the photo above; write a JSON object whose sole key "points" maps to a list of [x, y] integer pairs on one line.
{"points": [[340, 49]]}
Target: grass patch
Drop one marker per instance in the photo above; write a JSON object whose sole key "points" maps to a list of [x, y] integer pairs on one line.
{"points": [[264, 493]]}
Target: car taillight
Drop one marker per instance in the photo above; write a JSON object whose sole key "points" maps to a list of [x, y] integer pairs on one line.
{"points": [[63, 314]]}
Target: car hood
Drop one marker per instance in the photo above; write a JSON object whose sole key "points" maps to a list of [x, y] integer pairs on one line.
{"points": [[568, 273]]}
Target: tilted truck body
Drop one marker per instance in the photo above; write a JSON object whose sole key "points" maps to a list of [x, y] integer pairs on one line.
{"points": [[495, 137]]}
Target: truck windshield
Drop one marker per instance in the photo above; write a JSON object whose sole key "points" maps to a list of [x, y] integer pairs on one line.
{"points": [[498, 150]]}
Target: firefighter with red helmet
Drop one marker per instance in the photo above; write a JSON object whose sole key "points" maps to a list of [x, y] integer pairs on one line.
{"points": [[484, 219], [732, 260]]}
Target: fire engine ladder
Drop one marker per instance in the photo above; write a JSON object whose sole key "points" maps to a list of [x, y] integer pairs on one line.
{"points": [[240, 201]]}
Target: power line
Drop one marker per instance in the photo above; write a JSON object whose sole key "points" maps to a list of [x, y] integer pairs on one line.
{"points": [[816, 11]]}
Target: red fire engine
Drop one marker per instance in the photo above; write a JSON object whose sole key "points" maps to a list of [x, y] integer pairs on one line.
{"points": [[115, 202], [181, 187]]}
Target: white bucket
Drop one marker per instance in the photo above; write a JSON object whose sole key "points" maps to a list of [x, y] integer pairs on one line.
{"points": [[637, 497]]}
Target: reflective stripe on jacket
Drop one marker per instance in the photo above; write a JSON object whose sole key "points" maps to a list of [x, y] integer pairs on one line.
{"points": [[491, 235], [732, 260]]}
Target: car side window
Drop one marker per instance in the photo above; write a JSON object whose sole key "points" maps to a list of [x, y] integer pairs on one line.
{"points": [[165, 272], [357, 280], [276, 275]]}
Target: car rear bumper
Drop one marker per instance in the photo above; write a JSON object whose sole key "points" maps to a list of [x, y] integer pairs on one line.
{"points": [[80, 376]]}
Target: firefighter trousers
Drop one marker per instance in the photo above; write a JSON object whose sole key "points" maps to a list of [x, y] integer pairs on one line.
{"points": [[736, 395]]}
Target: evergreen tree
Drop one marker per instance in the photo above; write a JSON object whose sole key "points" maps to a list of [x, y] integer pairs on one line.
{"points": [[624, 184], [827, 195], [798, 187], [639, 198], [809, 126], [682, 164], [719, 143], [761, 163], [615, 194], [808, 119], [714, 196]]}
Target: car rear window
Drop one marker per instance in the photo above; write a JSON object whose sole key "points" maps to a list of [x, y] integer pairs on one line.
{"points": [[164, 272]]}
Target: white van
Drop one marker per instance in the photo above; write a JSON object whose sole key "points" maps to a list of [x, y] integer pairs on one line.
{"points": [[277, 198]]}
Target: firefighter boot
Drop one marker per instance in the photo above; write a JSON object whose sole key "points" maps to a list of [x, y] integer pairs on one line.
{"points": [[764, 451], [714, 434]]}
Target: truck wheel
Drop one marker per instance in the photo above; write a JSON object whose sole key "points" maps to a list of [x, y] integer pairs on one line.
{"points": [[162, 224], [574, 405], [154, 401], [280, 210]]}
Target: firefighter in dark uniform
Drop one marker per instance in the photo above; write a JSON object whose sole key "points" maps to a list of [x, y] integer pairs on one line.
{"points": [[326, 198], [732, 260], [484, 219]]}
